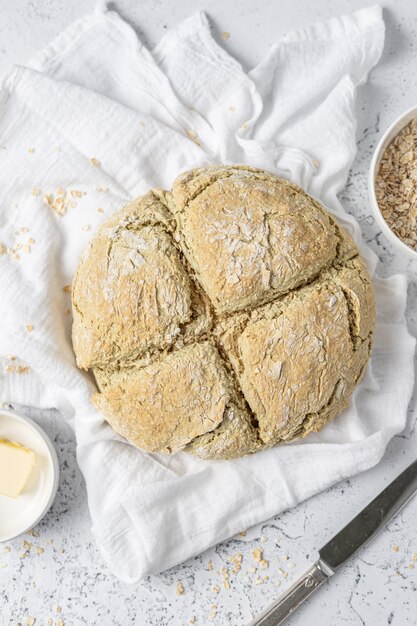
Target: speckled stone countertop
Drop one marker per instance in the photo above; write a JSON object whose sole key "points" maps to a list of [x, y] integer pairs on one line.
{"points": [[56, 574]]}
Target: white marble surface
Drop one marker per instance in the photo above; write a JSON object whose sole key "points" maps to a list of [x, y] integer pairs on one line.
{"points": [[377, 587]]}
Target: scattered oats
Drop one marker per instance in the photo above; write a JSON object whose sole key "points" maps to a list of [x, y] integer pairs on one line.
{"points": [[33, 584], [50, 541], [26, 249], [3, 565], [226, 584], [277, 583], [86, 227], [225, 573], [33, 533], [232, 109], [225, 35], [36, 191], [30, 621], [60, 191], [285, 557], [395, 548], [245, 126], [291, 565], [31, 150], [73, 204], [26, 544], [414, 556], [266, 578], [59, 622], [31, 240], [50, 621], [192, 620], [257, 554], [243, 533], [263, 539], [282, 572], [411, 566], [66, 289], [251, 570], [23, 230], [103, 189], [62, 551], [3, 249], [259, 580], [215, 589], [95, 162], [10, 357], [6, 549], [40, 550], [264, 564], [142, 124], [213, 611], [29, 327], [100, 210], [58, 609], [210, 565], [180, 588], [194, 137]]}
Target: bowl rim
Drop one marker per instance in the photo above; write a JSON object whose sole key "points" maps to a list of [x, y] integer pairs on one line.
{"points": [[55, 466], [391, 132]]}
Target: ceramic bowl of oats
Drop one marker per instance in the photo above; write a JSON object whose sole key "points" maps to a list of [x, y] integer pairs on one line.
{"points": [[392, 183]]}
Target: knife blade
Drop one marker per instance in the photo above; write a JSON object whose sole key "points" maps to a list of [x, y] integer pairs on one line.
{"points": [[356, 534]]}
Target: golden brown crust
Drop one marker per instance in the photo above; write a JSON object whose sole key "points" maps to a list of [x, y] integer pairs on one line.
{"points": [[227, 316]]}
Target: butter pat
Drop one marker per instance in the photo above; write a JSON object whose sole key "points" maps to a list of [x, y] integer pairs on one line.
{"points": [[16, 464]]}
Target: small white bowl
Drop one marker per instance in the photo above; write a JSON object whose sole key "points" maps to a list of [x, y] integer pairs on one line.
{"points": [[386, 138], [18, 515]]}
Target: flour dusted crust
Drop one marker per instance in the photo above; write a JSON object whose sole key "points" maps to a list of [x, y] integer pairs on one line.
{"points": [[227, 316]]}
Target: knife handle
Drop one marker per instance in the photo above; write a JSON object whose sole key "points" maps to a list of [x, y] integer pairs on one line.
{"points": [[277, 612]]}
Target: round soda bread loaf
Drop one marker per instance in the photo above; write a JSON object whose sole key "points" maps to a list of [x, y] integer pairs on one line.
{"points": [[226, 316]]}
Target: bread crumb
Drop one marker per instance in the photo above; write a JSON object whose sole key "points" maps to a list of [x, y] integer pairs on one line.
{"points": [[215, 589], [259, 580], [192, 620], [67, 288], [103, 189], [414, 556], [213, 611], [225, 35], [30, 621], [395, 548], [33, 533], [10, 357], [60, 622], [210, 565], [243, 533], [257, 554], [180, 588], [251, 570], [67, 311], [100, 210], [36, 191], [7, 549], [49, 622], [26, 544], [50, 541], [95, 162], [31, 240], [40, 550], [264, 564], [282, 572], [29, 327], [411, 566], [58, 609]]}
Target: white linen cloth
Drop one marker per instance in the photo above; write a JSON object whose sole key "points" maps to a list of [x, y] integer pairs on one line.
{"points": [[96, 92]]}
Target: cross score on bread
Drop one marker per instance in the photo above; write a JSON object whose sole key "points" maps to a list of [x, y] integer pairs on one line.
{"points": [[229, 315]]}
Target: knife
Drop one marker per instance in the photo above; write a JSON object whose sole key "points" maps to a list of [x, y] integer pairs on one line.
{"points": [[342, 546]]}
